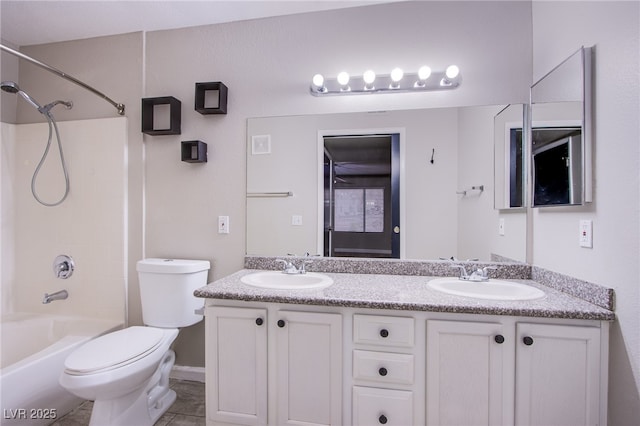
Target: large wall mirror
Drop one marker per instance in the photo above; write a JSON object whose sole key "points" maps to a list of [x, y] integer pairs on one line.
{"points": [[561, 134], [406, 173]]}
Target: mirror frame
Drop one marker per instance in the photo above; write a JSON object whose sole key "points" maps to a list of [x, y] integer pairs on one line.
{"points": [[585, 56]]}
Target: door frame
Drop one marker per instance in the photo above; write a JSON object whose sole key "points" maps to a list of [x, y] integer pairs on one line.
{"points": [[401, 131]]}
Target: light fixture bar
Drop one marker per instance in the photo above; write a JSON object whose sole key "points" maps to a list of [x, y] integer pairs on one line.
{"points": [[409, 82]]}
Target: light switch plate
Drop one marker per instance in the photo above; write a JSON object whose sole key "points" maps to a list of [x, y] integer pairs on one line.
{"points": [[586, 233], [223, 224], [501, 226]]}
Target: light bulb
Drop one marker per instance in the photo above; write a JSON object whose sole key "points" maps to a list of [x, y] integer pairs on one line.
{"points": [[318, 81], [369, 76], [396, 75], [452, 71], [424, 72], [343, 78]]}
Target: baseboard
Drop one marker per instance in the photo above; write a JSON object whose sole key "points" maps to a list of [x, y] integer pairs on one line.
{"points": [[193, 374]]}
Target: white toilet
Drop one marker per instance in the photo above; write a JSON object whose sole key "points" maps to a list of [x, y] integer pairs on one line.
{"points": [[126, 372]]}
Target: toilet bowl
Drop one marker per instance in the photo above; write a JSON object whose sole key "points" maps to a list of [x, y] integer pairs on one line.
{"points": [[127, 372]]}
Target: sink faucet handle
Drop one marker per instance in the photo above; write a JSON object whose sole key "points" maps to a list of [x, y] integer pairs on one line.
{"points": [[463, 271]]}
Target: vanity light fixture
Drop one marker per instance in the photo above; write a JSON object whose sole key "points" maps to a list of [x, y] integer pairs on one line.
{"points": [[397, 81]]}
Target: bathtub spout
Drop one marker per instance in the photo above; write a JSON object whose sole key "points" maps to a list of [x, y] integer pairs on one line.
{"points": [[58, 295]]}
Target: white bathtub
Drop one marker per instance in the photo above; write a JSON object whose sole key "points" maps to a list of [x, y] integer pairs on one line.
{"points": [[33, 351]]}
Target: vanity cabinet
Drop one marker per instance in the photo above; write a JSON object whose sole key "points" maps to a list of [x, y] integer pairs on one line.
{"points": [[551, 372], [273, 367], [287, 364]]}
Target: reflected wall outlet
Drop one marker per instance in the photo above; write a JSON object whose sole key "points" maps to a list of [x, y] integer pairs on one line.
{"points": [[586, 233], [223, 224]]}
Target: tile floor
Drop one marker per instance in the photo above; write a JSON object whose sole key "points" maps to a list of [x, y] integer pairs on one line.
{"points": [[188, 410]]}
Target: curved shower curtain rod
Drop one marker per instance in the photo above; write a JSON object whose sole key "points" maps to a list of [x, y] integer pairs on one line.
{"points": [[119, 107]]}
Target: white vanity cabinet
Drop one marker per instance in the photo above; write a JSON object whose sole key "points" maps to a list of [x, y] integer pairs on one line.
{"points": [[273, 367], [477, 371], [288, 364]]}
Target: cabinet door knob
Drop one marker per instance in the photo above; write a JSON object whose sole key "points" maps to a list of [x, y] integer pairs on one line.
{"points": [[280, 323], [527, 341], [259, 321], [384, 333], [382, 371], [499, 338], [382, 419]]}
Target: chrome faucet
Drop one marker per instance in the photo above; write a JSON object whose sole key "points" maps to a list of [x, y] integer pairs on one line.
{"points": [[58, 295], [290, 268], [477, 275]]}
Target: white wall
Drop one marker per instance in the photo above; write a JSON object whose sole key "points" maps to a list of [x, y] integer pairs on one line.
{"points": [[559, 28]]}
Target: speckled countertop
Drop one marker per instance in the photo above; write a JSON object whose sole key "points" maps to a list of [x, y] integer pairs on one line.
{"points": [[404, 292]]}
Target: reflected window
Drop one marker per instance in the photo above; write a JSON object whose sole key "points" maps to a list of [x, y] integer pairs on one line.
{"points": [[359, 210]]}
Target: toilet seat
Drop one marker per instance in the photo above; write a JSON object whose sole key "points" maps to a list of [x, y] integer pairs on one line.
{"points": [[114, 350]]}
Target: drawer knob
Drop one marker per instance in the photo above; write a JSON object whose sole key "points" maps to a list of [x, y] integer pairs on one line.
{"points": [[382, 419], [280, 323], [499, 339], [527, 341], [259, 321], [382, 371], [384, 333]]}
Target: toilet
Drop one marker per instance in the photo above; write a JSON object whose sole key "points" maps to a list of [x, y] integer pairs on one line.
{"points": [[126, 372]]}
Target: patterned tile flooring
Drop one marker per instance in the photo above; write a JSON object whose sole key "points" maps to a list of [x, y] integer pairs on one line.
{"points": [[188, 410]]}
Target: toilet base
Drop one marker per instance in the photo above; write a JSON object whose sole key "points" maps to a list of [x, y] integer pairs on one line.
{"points": [[142, 407]]}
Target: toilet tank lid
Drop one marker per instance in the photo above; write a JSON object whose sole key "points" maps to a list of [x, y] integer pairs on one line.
{"points": [[172, 266]]}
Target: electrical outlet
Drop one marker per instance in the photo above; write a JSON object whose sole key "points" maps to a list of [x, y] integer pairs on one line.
{"points": [[223, 224], [296, 220], [501, 226], [586, 233]]}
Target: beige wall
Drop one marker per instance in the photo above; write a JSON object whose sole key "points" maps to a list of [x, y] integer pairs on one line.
{"points": [[559, 28]]}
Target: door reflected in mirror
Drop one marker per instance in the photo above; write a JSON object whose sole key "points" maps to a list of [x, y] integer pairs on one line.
{"points": [[561, 134]]}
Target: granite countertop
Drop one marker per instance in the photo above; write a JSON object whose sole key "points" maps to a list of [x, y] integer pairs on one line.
{"points": [[404, 292]]}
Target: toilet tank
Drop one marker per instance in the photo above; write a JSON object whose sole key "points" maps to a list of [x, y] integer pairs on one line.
{"points": [[166, 291]]}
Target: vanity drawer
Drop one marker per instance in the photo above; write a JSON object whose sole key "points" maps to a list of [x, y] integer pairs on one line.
{"points": [[373, 406], [383, 330], [383, 367]]}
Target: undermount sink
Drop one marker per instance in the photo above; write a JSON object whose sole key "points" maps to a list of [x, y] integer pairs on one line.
{"points": [[492, 289], [280, 280]]}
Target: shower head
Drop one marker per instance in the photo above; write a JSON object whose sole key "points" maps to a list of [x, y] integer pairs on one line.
{"points": [[12, 87]]}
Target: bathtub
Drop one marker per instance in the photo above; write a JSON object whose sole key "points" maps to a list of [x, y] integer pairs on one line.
{"points": [[33, 351]]}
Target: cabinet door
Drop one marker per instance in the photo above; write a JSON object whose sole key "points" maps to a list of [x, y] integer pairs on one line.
{"points": [[466, 373], [309, 368], [557, 375], [236, 365]]}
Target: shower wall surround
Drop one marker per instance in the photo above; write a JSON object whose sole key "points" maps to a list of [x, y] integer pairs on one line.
{"points": [[89, 225]]}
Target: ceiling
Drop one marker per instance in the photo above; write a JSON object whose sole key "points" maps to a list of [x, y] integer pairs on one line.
{"points": [[28, 22]]}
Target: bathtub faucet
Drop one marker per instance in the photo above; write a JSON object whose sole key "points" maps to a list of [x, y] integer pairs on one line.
{"points": [[58, 295]]}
